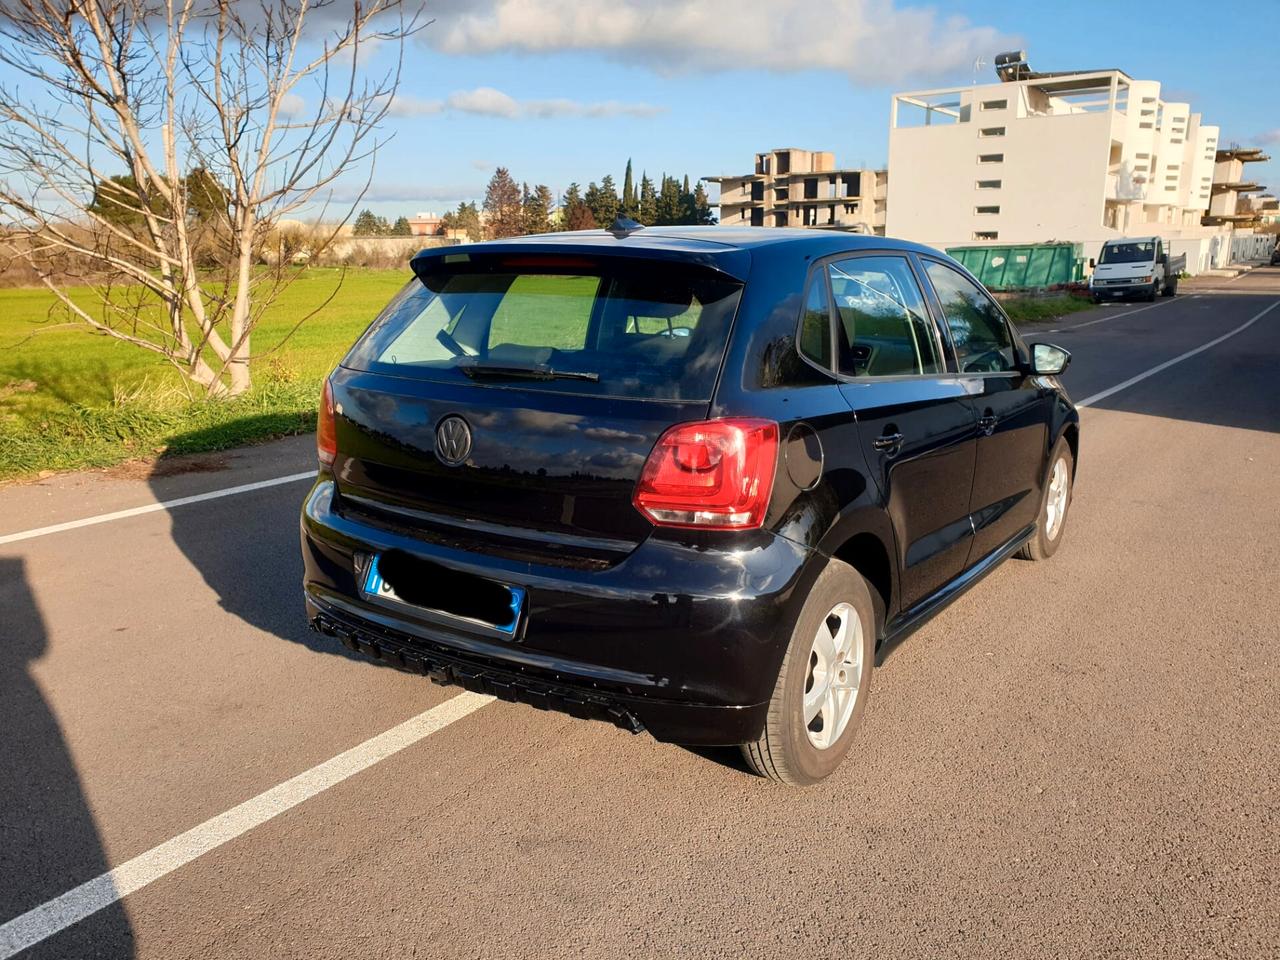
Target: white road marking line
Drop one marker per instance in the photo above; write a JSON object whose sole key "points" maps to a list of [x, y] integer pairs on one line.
{"points": [[1102, 395], [1117, 316], [102, 891], [154, 507]]}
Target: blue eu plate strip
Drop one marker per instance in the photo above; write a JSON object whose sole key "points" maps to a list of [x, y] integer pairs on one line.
{"points": [[375, 586]]}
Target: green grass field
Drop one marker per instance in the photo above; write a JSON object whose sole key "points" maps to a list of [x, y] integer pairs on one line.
{"points": [[70, 398]]}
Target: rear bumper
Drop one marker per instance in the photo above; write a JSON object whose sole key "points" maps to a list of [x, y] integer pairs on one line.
{"points": [[682, 640]]}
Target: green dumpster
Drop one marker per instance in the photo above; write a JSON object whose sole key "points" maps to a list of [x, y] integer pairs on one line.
{"points": [[1023, 266]]}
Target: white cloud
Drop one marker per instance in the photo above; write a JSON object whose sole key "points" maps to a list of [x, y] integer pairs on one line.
{"points": [[1269, 136], [873, 42], [488, 102], [291, 105], [403, 105]]}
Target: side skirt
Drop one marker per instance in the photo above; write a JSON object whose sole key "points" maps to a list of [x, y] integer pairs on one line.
{"points": [[907, 622]]}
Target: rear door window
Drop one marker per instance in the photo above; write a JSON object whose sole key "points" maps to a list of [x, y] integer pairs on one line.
{"points": [[979, 334], [884, 328], [613, 327]]}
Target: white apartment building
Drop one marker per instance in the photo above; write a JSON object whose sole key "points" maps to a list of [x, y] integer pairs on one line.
{"points": [[1231, 202], [1078, 156], [803, 188]]}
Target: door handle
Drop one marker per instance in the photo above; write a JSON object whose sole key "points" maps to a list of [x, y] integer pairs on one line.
{"points": [[987, 424], [888, 441]]}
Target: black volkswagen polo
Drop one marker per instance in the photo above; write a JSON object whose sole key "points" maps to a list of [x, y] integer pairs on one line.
{"points": [[694, 481]]}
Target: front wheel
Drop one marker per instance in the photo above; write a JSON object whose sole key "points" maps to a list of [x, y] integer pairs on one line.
{"points": [[1054, 503], [822, 687]]}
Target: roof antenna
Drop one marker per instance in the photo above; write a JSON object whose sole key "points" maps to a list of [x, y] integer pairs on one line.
{"points": [[624, 227]]}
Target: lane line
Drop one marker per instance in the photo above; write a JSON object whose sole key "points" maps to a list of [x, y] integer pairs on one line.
{"points": [[154, 507], [56, 915], [1117, 316], [1103, 394]]}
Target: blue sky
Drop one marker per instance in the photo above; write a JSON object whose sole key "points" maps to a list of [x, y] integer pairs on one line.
{"points": [[695, 95], [564, 90]]}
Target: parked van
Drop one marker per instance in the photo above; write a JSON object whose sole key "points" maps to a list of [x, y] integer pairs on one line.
{"points": [[1135, 267]]}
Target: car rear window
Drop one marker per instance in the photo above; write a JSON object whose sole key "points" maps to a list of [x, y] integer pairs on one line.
{"points": [[626, 328]]}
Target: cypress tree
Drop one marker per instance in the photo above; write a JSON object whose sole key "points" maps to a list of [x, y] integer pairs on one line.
{"points": [[647, 205], [630, 202]]}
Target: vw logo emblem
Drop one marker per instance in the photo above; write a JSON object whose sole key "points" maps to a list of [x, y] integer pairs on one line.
{"points": [[453, 440]]}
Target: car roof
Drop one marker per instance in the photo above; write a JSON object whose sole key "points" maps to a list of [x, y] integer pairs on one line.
{"points": [[729, 250]]}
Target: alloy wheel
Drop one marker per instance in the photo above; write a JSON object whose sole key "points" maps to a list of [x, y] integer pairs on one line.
{"points": [[835, 675], [1055, 507]]}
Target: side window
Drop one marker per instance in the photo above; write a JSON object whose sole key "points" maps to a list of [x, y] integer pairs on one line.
{"points": [[982, 341], [815, 324], [884, 329]]}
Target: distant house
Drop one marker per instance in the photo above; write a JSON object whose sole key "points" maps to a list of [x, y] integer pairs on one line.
{"points": [[426, 225]]}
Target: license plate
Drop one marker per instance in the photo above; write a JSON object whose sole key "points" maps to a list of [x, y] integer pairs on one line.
{"points": [[438, 590]]}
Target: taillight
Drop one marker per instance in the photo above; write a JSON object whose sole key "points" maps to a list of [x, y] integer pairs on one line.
{"points": [[326, 429], [716, 475]]}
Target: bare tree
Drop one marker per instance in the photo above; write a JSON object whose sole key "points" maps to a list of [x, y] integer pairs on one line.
{"points": [[152, 138]]}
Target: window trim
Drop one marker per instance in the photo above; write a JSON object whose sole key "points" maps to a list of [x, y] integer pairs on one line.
{"points": [[935, 304], [941, 339]]}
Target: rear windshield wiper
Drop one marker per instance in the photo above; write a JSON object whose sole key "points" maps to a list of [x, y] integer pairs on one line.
{"points": [[530, 371]]}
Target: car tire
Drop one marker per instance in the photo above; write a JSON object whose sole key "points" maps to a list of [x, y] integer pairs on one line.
{"points": [[1055, 505], [1171, 289], [792, 750]]}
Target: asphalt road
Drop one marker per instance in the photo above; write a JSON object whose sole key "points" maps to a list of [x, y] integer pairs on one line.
{"points": [[1078, 758]]}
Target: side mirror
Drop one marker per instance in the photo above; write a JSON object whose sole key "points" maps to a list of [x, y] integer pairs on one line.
{"points": [[1092, 263], [1048, 360]]}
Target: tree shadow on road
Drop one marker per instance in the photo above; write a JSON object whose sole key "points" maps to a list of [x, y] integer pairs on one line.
{"points": [[246, 548], [48, 840]]}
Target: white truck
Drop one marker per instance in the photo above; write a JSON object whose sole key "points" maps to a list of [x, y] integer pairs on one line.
{"points": [[1135, 267]]}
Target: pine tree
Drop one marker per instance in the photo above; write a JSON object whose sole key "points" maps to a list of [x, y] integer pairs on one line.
{"points": [[688, 205], [577, 215], [537, 209], [502, 205], [465, 219], [471, 220], [401, 228], [647, 204], [591, 198], [669, 206], [630, 200], [366, 224], [609, 204], [207, 198], [702, 206]]}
